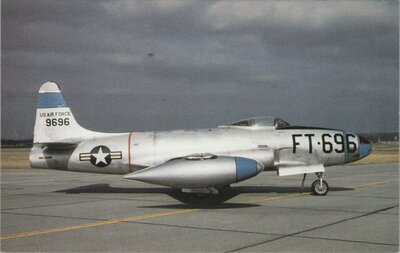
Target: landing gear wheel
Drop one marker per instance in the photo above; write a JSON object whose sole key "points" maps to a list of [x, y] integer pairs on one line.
{"points": [[318, 188]]}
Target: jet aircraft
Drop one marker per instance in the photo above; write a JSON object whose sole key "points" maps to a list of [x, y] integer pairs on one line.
{"points": [[196, 161]]}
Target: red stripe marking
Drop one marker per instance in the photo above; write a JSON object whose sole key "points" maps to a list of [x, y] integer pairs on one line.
{"points": [[129, 152]]}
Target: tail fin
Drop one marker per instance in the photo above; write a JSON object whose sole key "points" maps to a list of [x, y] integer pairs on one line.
{"points": [[55, 122]]}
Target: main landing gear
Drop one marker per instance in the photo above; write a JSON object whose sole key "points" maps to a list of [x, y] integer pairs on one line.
{"points": [[319, 187]]}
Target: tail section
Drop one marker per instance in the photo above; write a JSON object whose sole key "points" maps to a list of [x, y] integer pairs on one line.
{"points": [[55, 122], [56, 134]]}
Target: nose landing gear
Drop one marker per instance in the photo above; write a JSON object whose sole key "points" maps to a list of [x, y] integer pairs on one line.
{"points": [[320, 187]]}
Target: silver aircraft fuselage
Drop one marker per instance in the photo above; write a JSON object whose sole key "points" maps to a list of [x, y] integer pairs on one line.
{"points": [[144, 149]]}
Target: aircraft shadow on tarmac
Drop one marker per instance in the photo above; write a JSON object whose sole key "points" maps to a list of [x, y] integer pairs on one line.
{"points": [[208, 201]]}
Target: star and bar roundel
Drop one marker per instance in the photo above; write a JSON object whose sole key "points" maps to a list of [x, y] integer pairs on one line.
{"points": [[100, 156]]}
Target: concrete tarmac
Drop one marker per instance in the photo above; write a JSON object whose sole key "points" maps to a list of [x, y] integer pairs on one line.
{"points": [[45, 210]]}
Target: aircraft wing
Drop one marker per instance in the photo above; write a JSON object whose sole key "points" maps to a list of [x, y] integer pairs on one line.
{"points": [[301, 162]]}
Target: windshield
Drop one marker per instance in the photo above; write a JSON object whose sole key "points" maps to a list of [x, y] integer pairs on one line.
{"points": [[280, 123], [262, 122], [246, 122]]}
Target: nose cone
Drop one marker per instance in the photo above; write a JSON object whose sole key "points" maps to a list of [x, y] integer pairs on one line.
{"points": [[365, 147], [247, 168], [260, 167], [149, 175]]}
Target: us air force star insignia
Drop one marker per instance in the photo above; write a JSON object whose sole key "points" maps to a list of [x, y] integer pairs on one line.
{"points": [[100, 156]]}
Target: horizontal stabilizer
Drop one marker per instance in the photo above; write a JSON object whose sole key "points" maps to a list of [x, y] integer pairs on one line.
{"points": [[57, 145]]}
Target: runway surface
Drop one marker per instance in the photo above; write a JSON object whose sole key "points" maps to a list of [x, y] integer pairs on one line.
{"points": [[45, 210]]}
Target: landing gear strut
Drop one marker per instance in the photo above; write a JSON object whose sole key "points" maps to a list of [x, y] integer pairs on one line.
{"points": [[320, 187]]}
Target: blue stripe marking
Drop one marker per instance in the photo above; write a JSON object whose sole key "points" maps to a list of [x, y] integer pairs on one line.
{"points": [[346, 149], [51, 100], [245, 168], [365, 149]]}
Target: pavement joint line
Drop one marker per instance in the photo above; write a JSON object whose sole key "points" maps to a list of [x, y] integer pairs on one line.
{"points": [[309, 193], [344, 240], [88, 199], [275, 198], [295, 234], [164, 214], [118, 220], [204, 228], [365, 197], [258, 233], [22, 174], [95, 224], [374, 183], [59, 204], [54, 216]]}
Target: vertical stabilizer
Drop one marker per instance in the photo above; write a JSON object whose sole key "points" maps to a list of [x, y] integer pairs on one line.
{"points": [[55, 122]]}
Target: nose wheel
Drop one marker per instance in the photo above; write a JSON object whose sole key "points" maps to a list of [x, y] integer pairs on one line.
{"points": [[320, 187]]}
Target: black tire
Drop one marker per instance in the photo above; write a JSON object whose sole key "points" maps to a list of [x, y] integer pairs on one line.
{"points": [[319, 190]]}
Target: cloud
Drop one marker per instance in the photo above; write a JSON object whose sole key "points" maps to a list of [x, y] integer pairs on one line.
{"points": [[300, 14], [203, 63], [342, 30]]}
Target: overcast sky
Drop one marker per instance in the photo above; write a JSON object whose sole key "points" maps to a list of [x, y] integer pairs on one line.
{"points": [[155, 65]]}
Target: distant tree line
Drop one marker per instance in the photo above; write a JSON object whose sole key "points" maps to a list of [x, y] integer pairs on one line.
{"points": [[5, 143], [381, 137]]}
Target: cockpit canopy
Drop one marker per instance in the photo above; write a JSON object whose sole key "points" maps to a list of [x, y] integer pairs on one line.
{"points": [[271, 122]]}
